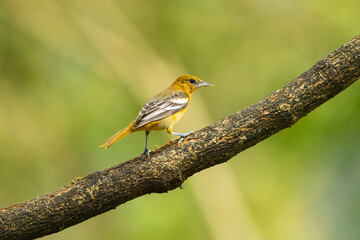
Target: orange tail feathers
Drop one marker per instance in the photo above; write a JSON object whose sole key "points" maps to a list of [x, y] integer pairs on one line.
{"points": [[117, 136]]}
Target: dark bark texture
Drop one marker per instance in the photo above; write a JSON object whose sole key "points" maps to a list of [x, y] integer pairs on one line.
{"points": [[171, 164]]}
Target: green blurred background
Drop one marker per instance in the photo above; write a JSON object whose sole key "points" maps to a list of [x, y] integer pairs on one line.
{"points": [[73, 72]]}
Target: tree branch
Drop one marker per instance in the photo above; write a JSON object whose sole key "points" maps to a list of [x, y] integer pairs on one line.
{"points": [[171, 165]]}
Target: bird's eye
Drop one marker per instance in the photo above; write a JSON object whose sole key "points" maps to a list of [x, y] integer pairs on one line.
{"points": [[192, 81]]}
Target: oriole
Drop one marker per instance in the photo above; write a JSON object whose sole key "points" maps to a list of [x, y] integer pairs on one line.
{"points": [[163, 110]]}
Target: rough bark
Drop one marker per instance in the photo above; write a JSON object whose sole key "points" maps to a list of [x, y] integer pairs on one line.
{"points": [[171, 164]]}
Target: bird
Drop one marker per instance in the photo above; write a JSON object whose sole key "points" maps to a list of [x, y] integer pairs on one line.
{"points": [[162, 111]]}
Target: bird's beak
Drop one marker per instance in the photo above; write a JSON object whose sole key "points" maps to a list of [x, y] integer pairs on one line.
{"points": [[204, 84]]}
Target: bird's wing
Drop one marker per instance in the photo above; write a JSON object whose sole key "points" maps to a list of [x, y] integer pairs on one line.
{"points": [[161, 107]]}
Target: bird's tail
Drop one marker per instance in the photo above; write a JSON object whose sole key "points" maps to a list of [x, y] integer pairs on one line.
{"points": [[117, 136]]}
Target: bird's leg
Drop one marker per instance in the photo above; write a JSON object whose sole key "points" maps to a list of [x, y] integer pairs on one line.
{"points": [[147, 151], [182, 135]]}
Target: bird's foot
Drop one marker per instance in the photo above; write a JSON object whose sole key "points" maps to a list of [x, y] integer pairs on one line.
{"points": [[182, 136], [147, 152]]}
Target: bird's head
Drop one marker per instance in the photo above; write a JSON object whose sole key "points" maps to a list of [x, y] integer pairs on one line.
{"points": [[190, 83]]}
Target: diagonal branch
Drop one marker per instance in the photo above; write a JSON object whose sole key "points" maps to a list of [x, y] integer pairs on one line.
{"points": [[171, 165]]}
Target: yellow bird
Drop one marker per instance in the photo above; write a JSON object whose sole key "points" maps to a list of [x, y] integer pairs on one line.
{"points": [[163, 110]]}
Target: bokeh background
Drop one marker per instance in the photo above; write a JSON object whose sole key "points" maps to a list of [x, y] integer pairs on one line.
{"points": [[73, 72]]}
